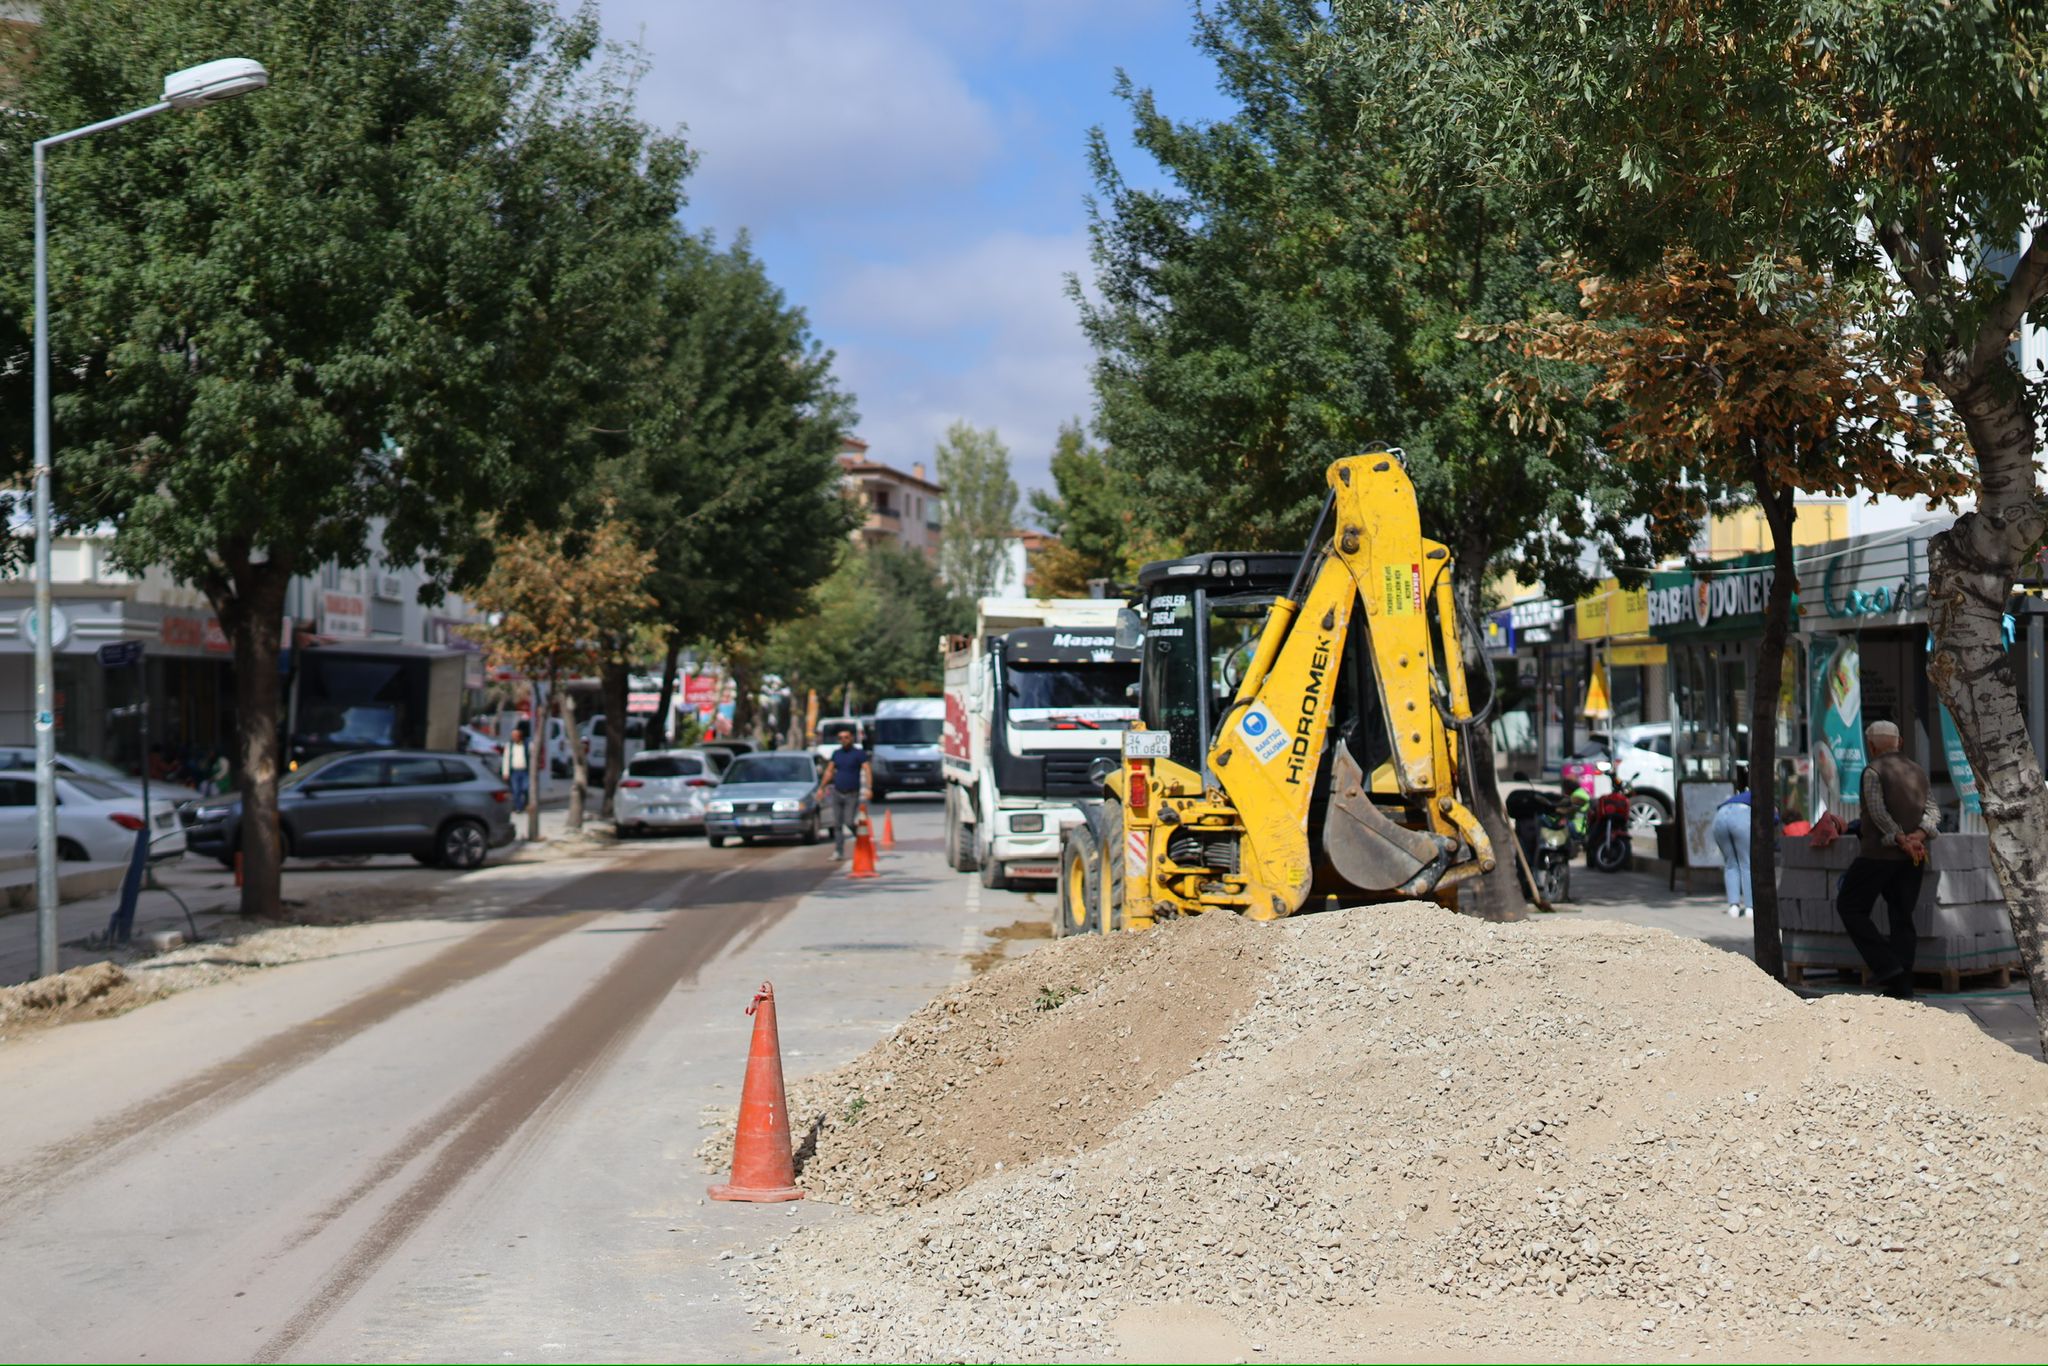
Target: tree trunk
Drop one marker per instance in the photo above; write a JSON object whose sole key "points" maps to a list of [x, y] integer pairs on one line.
{"points": [[579, 769], [1972, 567], [536, 753], [1497, 895], [251, 614], [745, 689], [617, 681], [664, 711], [1769, 945]]}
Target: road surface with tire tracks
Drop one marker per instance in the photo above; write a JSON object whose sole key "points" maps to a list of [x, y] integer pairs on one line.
{"points": [[477, 1148]]}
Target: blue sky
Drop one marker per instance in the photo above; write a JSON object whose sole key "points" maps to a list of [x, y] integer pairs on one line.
{"points": [[912, 173]]}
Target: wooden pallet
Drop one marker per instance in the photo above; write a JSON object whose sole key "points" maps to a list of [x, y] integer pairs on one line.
{"points": [[1946, 980]]}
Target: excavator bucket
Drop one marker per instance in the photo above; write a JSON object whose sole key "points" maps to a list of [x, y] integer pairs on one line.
{"points": [[1370, 851]]}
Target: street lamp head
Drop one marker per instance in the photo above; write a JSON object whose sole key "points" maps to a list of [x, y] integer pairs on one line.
{"points": [[212, 82]]}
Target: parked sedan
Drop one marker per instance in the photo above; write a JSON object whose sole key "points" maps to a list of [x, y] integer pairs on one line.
{"points": [[445, 810], [664, 789], [765, 794], [16, 757], [96, 821]]}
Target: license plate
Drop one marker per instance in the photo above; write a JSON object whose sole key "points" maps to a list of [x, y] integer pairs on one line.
{"points": [[1032, 869], [753, 820]]}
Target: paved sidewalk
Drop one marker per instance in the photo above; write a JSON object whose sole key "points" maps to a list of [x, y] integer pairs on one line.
{"points": [[1642, 898], [208, 891]]}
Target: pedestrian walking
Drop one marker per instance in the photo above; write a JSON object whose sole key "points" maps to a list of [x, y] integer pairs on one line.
{"points": [[1899, 817], [1731, 837], [848, 780], [512, 767]]}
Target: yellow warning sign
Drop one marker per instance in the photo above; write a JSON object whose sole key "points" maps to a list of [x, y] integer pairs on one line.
{"points": [[1397, 590], [1596, 695]]}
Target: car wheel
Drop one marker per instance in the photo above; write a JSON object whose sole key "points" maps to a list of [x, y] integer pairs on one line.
{"points": [[880, 793], [628, 831], [463, 844], [992, 875], [1647, 810], [70, 851], [715, 841], [811, 831]]}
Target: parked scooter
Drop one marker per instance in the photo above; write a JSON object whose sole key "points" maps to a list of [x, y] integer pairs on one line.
{"points": [[1551, 829], [1608, 843]]}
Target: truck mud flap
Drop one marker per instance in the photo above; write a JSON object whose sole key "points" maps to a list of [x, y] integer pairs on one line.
{"points": [[1368, 850]]}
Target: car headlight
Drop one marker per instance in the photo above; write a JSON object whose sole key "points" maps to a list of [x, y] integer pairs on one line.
{"points": [[211, 813], [722, 808], [788, 804]]}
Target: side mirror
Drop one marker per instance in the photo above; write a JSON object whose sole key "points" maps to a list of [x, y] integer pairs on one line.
{"points": [[1130, 629]]}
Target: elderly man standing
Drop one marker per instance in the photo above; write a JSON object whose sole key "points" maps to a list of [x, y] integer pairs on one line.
{"points": [[1899, 818]]}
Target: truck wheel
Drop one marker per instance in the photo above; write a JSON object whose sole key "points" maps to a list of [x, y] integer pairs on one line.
{"points": [[960, 841], [1080, 874], [952, 827], [992, 874]]}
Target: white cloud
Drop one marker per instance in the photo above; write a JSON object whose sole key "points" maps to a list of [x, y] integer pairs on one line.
{"points": [[797, 103], [1021, 364]]}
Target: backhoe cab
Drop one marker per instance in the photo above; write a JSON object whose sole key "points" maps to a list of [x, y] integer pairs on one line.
{"points": [[1298, 731]]}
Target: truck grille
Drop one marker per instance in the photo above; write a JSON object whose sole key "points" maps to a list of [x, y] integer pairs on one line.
{"points": [[1066, 774]]}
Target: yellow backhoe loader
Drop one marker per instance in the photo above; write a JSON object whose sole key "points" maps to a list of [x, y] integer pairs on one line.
{"points": [[1300, 728]]}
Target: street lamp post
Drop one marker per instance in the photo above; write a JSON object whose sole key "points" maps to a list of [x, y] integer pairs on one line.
{"points": [[193, 88]]}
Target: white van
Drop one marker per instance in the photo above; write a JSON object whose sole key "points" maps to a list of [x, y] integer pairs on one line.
{"points": [[906, 746]]}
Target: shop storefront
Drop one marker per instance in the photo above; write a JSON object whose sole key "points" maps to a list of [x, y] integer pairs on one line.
{"points": [[1613, 624], [1529, 645], [1711, 623]]}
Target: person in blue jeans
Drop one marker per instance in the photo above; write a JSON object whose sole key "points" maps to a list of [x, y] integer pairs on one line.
{"points": [[1731, 837]]}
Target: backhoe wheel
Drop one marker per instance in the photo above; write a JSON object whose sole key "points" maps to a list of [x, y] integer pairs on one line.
{"points": [[1111, 903], [1080, 877]]}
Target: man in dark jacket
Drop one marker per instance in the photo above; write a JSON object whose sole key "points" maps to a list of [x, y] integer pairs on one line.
{"points": [[1899, 818]]}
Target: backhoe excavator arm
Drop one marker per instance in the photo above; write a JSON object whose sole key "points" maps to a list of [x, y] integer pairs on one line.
{"points": [[1399, 829]]}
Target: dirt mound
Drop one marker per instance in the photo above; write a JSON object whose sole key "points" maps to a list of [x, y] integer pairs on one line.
{"points": [[1595, 1138], [1037, 1058], [90, 991]]}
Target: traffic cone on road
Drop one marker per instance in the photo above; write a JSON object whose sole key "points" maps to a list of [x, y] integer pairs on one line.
{"points": [[762, 1169], [863, 848], [888, 829]]}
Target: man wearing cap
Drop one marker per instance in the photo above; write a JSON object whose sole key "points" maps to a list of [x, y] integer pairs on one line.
{"points": [[1899, 818]]}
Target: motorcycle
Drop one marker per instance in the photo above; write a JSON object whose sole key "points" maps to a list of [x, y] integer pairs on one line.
{"points": [[1551, 829], [1608, 821]]}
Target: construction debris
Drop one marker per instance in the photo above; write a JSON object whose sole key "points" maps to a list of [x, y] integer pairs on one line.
{"points": [[1588, 1139]]}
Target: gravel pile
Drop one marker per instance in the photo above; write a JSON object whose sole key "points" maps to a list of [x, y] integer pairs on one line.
{"points": [[1596, 1138], [1038, 1058]]}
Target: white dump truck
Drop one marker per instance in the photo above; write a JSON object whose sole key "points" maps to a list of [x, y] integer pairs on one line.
{"points": [[1034, 698]]}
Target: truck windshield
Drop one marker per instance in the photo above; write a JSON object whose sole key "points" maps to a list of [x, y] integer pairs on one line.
{"points": [[909, 730], [1064, 696]]}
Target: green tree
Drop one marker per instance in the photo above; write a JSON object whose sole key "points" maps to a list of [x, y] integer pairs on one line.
{"points": [[873, 631], [389, 291], [731, 477], [1301, 290], [1094, 520], [1900, 149], [980, 509]]}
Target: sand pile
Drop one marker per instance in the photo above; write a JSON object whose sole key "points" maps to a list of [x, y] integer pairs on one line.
{"points": [[1038, 1058], [1587, 1138]]}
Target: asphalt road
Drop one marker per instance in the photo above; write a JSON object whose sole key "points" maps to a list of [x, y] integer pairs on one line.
{"points": [[472, 1144]]}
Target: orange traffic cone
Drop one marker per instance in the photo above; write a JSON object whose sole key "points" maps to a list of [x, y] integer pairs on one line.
{"points": [[888, 829], [762, 1170], [863, 848]]}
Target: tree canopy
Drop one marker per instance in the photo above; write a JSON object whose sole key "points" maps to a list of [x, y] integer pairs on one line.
{"points": [[980, 509]]}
